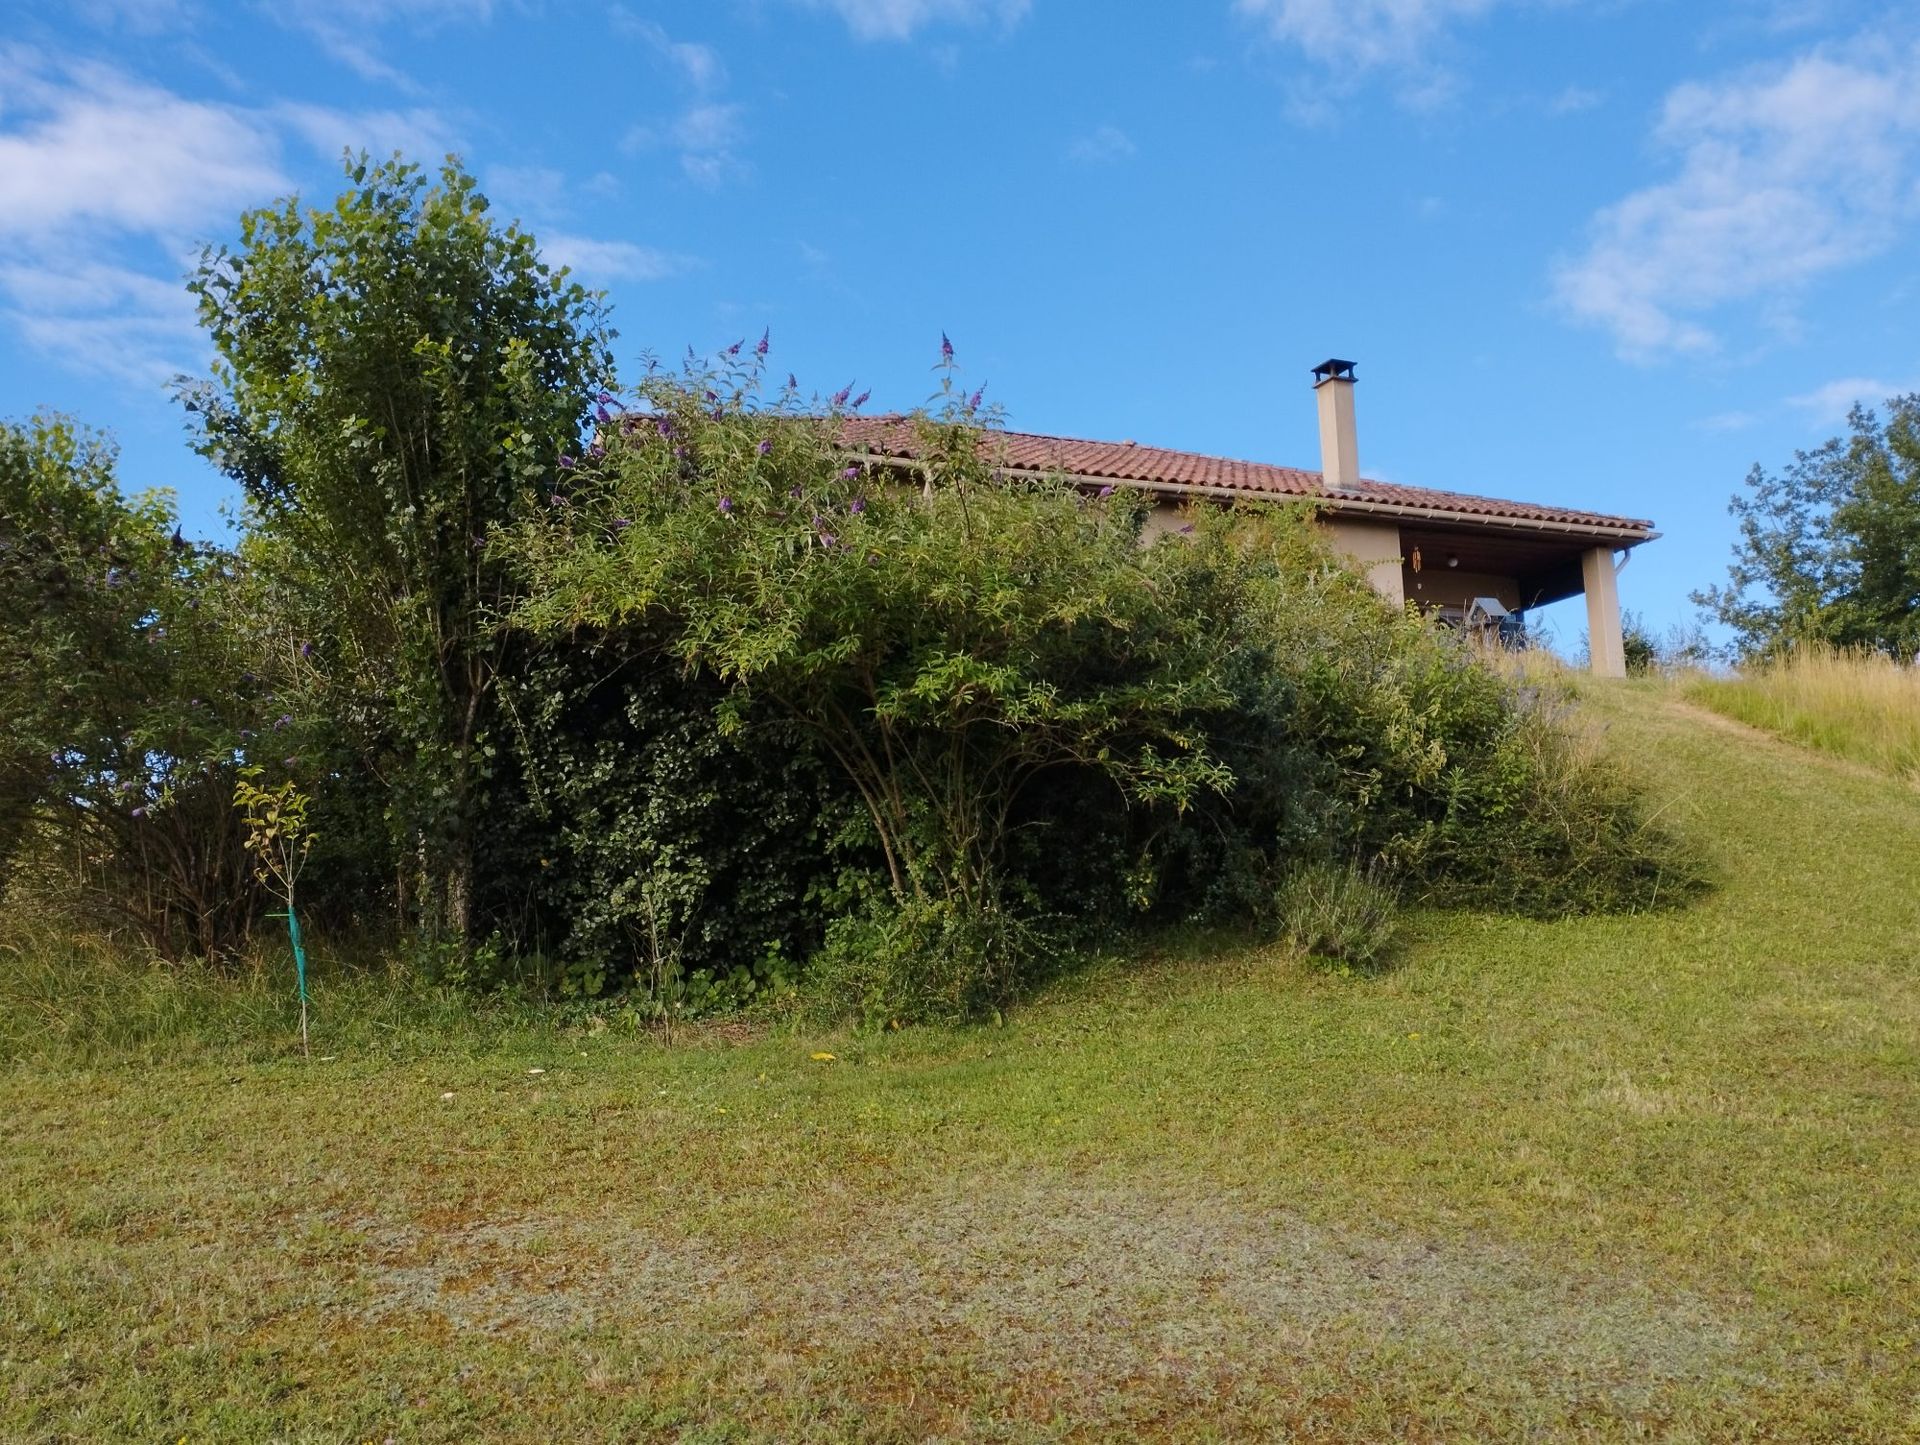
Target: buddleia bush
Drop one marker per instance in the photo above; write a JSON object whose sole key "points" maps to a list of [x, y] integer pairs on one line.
{"points": [[1047, 725]]}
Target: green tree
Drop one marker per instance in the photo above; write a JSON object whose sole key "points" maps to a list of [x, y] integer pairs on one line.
{"points": [[127, 686], [1829, 550], [399, 377], [947, 645]]}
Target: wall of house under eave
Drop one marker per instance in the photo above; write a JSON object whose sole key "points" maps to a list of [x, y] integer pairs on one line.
{"points": [[1374, 547], [1450, 587]]}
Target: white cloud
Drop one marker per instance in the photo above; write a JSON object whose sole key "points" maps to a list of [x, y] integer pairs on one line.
{"points": [[1727, 421], [599, 261], [1831, 403], [419, 134], [902, 19], [96, 147], [527, 188], [350, 30], [706, 136], [1781, 175], [1103, 145], [99, 317], [699, 64], [142, 17], [1362, 34], [1575, 99]]}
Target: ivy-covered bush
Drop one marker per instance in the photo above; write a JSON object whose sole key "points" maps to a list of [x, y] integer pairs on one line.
{"points": [[640, 846]]}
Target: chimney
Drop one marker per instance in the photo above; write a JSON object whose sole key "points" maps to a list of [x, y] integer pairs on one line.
{"points": [[1339, 447]]}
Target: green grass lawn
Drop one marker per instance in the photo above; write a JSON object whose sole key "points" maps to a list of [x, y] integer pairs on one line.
{"points": [[1620, 1178]]}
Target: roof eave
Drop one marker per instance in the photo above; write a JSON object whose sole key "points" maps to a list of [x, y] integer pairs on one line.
{"points": [[1624, 534]]}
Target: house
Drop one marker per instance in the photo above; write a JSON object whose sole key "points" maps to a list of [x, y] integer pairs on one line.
{"points": [[1439, 551]]}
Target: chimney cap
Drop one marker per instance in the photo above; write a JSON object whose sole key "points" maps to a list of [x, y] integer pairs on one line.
{"points": [[1334, 369]]}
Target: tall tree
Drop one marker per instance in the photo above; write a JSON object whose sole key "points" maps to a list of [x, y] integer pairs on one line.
{"points": [[399, 376], [1829, 551], [126, 680]]}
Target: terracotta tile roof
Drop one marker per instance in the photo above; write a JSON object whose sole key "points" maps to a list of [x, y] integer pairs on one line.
{"points": [[1125, 463]]}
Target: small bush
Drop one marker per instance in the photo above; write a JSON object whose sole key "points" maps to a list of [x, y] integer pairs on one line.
{"points": [[1339, 911], [1638, 642], [923, 961]]}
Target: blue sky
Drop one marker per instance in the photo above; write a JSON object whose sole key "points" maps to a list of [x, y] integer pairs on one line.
{"points": [[1607, 253]]}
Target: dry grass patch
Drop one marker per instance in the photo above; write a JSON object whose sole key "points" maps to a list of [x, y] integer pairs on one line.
{"points": [[1854, 704]]}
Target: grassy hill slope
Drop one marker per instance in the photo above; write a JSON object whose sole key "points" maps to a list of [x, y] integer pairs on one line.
{"points": [[1612, 1178]]}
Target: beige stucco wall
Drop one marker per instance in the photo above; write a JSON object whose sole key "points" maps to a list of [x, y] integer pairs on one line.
{"points": [[1163, 517], [1375, 547]]}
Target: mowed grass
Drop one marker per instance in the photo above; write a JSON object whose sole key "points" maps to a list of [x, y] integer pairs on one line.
{"points": [[1857, 705], [1618, 1178]]}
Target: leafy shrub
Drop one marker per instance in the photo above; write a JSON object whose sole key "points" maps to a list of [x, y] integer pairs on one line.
{"points": [[125, 685], [924, 960], [1638, 642], [1339, 911], [639, 844]]}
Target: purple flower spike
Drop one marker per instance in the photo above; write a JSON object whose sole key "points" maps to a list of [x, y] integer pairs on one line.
{"points": [[764, 448], [857, 505], [946, 348], [973, 402], [794, 492], [555, 500], [620, 524], [566, 462], [827, 539], [861, 400], [850, 473], [734, 350], [766, 338], [1187, 530], [665, 424], [840, 396], [602, 415], [1106, 491], [595, 452], [306, 649], [139, 813], [604, 397], [726, 504], [712, 397]]}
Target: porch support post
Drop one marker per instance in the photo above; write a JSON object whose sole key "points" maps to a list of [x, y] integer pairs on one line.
{"points": [[1605, 645]]}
